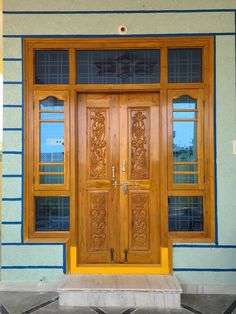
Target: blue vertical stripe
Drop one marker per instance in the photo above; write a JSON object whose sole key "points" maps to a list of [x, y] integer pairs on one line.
{"points": [[22, 160]]}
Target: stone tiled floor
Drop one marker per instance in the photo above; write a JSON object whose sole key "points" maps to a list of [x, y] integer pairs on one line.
{"points": [[47, 303]]}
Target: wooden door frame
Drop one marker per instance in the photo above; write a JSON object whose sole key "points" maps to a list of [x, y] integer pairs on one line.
{"points": [[163, 43]]}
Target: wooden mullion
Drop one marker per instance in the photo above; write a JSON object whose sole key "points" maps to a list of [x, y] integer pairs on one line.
{"points": [[185, 110], [52, 121], [185, 172], [51, 164], [184, 120], [51, 111], [185, 162], [52, 173]]}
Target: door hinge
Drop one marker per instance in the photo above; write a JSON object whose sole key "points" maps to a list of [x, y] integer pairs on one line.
{"points": [[33, 179], [33, 104]]}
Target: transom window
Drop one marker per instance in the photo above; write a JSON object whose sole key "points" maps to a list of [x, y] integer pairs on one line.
{"points": [[57, 71]]}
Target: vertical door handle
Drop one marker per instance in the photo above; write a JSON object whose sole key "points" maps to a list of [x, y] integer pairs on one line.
{"points": [[126, 256], [123, 166], [112, 254], [113, 173]]}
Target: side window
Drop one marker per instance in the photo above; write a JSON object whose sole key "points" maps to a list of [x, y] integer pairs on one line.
{"points": [[185, 133], [186, 200], [51, 195], [51, 141]]}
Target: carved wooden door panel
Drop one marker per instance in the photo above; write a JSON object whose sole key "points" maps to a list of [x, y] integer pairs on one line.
{"points": [[118, 147], [98, 200], [139, 155]]}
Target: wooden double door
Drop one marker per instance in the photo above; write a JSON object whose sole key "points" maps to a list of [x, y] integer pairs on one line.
{"points": [[118, 178]]}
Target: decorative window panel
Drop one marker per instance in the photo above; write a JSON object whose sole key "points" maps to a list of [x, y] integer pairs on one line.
{"points": [[118, 66], [52, 213], [185, 65], [51, 67], [51, 141], [185, 140], [185, 213]]}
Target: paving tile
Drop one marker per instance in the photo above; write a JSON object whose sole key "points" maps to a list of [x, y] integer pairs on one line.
{"points": [[55, 308], [160, 311], [208, 303], [19, 302], [110, 310]]}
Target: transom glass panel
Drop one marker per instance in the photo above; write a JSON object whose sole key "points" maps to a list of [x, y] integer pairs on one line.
{"points": [[51, 67], [185, 65], [118, 66]]}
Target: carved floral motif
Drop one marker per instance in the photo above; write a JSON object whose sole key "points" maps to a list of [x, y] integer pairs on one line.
{"points": [[98, 221], [139, 145], [98, 150], [139, 209]]}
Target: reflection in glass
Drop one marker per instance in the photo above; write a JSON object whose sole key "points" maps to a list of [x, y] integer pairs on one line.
{"points": [[185, 167], [52, 213], [118, 66], [51, 103], [185, 213], [51, 142], [185, 102], [185, 115], [185, 178], [51, 168], [51, 116], [185, 141], [51, 179]]}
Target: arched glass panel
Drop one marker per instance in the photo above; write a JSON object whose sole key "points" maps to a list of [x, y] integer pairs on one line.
{"points": [[185, 130], [51, 141]]}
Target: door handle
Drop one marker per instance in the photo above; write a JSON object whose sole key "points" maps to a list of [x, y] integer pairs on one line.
{"points": [[126, 256], [112, 254], [113, 173]]}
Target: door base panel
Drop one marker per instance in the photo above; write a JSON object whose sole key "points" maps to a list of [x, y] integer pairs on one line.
{"points": [[164, 268]]}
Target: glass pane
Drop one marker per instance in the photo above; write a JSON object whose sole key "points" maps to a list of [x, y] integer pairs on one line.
{"points": [[51, 116], [184, 141], [51, 103], [118, 66], [185, 213], [51, 179], [185, 102], [185, 178], [49, 168], [51, 142], [185, 115], [185, 65], [52, 213], [185, 167], [51, 67]]}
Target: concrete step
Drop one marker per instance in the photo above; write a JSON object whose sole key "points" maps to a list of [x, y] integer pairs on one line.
{"points": [[159, 291]]}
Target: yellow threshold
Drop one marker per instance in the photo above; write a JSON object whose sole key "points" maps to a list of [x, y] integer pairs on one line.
{"points": [[160, 269]]}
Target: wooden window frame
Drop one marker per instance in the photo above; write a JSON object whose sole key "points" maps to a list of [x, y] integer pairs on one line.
{"points": [[206, 88]]}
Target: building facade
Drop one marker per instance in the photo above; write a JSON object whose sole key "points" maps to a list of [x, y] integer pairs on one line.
{"points": [[119, 125]]}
